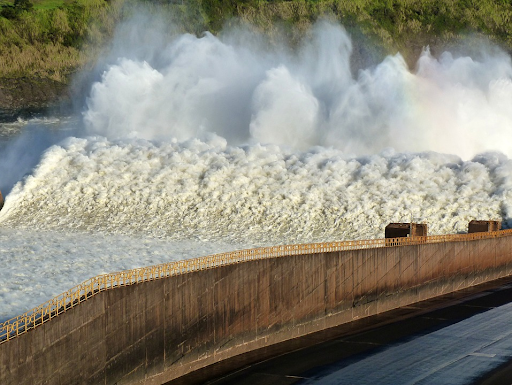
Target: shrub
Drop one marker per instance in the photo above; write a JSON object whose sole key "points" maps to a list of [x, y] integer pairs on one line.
{"points": [[13, 11]]}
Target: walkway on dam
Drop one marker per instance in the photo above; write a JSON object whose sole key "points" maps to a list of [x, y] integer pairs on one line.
{"points": [[461, 338]]}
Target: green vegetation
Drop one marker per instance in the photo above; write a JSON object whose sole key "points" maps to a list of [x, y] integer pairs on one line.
{"points": [[397, 25], [45, 40], [53, 38], [49, 4]]}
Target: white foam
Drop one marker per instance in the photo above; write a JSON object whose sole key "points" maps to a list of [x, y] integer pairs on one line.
{"points": [[209, 190]]}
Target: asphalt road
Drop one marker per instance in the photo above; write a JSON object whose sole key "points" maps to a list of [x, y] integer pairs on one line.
{"points": [[460, 338]]}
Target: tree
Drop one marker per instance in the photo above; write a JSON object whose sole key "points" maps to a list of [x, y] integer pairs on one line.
{"points": [[13, 11], [23, 5]]}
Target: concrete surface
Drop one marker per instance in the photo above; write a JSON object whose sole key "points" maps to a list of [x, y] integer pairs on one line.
{"points": [[157, 331], [378, 347]]}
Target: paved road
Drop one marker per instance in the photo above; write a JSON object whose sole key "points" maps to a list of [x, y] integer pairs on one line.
{"points": [[456, 354], [462, 338]]}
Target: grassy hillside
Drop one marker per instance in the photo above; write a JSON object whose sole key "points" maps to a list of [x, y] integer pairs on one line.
{"points": [[397, 25], [51, 39]]}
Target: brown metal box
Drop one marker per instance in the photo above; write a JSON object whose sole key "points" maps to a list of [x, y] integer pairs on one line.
{"points": [[399, 230], [483, 226]]}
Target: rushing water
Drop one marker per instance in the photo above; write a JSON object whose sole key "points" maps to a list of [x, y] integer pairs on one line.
{"points": [[202, 145]]}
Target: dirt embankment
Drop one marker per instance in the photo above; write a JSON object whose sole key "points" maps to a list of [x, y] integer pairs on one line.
{"points": [[18, 94]]}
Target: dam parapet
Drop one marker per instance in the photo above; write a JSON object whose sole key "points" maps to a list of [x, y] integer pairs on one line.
{"points": [[155, 324]]}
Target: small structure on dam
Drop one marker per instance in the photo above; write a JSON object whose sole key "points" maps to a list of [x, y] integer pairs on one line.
{"points": [[483, 226], [402, 230]]}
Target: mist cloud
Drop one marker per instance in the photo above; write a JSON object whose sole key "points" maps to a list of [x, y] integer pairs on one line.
{"points": [[306, 97]]}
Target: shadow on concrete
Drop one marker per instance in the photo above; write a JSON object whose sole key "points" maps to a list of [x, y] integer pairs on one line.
{"points": [[299, 359]]}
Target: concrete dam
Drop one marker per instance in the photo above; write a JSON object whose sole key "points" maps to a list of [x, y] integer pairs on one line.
{"points": [[155, 324]]}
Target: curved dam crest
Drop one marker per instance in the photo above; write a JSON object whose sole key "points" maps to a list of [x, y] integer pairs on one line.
{"points": [[155, 331]]}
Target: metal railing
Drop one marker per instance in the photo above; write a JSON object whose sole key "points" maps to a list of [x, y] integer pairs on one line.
{"points": [[43, 313]]}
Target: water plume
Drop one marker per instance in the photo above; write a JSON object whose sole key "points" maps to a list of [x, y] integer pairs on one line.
{"points": [[305, 97]]}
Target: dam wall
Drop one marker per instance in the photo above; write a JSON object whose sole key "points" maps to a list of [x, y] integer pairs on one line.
{"points": [[154, 330]]}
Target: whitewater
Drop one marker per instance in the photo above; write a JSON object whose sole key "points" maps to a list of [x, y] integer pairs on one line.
{"points": [[191, 146]]}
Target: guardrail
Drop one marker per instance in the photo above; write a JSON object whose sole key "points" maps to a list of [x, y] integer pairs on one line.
{"points": [[43, 313]]}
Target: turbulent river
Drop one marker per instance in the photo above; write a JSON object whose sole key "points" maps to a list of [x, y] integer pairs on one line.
{"points": [[198, 145]]}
